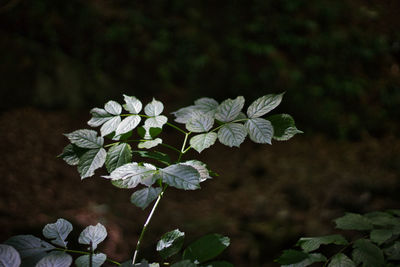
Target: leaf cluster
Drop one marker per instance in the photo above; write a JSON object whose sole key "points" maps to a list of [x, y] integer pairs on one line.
{"points": [[378, 243]]}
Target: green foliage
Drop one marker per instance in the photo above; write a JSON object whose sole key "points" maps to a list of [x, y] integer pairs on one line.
{"points": [[377, 245]]}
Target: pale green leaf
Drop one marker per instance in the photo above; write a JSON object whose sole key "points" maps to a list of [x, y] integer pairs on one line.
{"points": [[181, 176], [260, 130], [128, 124], [113, 108], [206, 248], [200, 167], [341, 260], [263, 105], [9, 256], [154, 108], [206, 105], [132, 104], [93, 234], [229, 109], [110, 126], [85, 139], [232, 134], [155, 122], [150, 143], [131, 174], [142, 198], [99, 116], [200, 123], [202, 141], [97, 260], [184, 115], [58, 232], [309, 244], [56, 258], [117, 156], [284, 127], [170, 243], [91, 161], [28, 245], [367, 254]]}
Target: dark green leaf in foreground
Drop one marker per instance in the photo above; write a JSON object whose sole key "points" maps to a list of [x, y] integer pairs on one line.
{"points": [[159, 156], [28, 245], [218, 264], [284, 127], [367, 254], [206, 248], [379, 236], [309, 244], [341, 260], [71, 154], [292, 256], [393, 252], [353, 221], [56, 258], [181, 176], [97, 260], [85, 139], [118, 155], [170, 243], [142, 198], [184, 263], [9, 256], [91, 161], [312, 258], [58, 232]]}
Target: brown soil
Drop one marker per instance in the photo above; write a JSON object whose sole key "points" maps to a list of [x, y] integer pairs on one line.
{"points": [[265, 198]]}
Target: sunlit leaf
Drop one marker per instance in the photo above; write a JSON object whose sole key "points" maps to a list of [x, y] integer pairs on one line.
{"points": [[170, 243], [93, 234], [202, 141], [232, 134], [200, 123], [99, 116], [58, 232], [110, 126], [229, 109], [97, 260], [9, 256], [132, 104], [181, 176], [260, 130], [85, 139], [128, 124], [117, 156], [263, 105], [150, 143], [200, 167], [131, 174], [91, 161], [156, 122], [113, 108], [154, 108]]}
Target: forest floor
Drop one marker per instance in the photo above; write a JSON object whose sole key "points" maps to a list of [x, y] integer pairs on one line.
{"points": [[264, 199]]}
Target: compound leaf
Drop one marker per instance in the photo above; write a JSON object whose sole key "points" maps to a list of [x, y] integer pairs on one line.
{"points": [[91, 161], [263, 105], [117, 156], [181, 176], [353, 221], [206, 248], [132, 104], [229, 109], [202, 141], [93, 234], [341, 260], [170, 243], [113, 108], [58, 232], [9, 256], [367, 254], [128, 124], [154, 108], [232, 134], [260, 130], [309, 244], [56, 258], [29, 245], [200, 123], [85, 138], [142, 198], [97, 260]]}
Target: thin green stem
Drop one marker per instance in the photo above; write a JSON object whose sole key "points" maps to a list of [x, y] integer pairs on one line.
{"points": [[84, 253], [147, 223], [169, 124], [217, 128], [143, 140], [183, 147]]}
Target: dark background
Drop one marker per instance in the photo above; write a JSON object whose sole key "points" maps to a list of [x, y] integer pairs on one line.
{"points": [[337, 61]]}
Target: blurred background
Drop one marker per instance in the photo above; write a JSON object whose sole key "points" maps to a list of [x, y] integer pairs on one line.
{"points": [[337, 61]]}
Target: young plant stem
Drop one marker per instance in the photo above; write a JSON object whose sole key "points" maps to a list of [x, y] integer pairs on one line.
{"points": [[146, 224], [183, 151]]}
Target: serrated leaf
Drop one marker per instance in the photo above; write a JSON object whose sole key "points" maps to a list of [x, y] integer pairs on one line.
{"points": [[117, 156], [292, 256], [71, 154], [113, 108], [379, 236], [367, 254], [184, 263], [206, 105], [97, 260], [229, 109], [132, 104], [154, 108], [393, 252], [155, 122], [341, 260], [202, 141], [260, 130], [93, 234], [91, 161], [312, 258], [200, 123], [159, 156], [150, 143], [170, 243], [9, 256], [263, 105], [183, 115], [206, 248], [284, 127], [57, 258], [128, 124], [99, 116], [309, 244], [28, 245], [142, 198], [232, 134], [85, 139], [200, 167], [110, 126], [353, 221], [181, 176], [58, 232], [131, 174]]}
